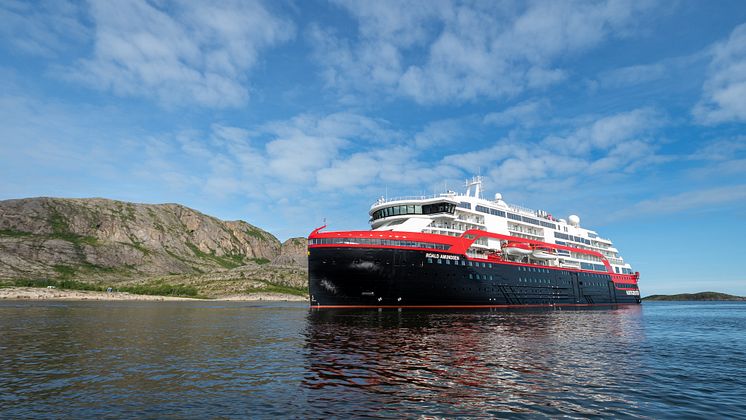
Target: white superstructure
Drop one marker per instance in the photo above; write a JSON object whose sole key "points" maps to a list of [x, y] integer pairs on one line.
{"points": [[452, 214]]}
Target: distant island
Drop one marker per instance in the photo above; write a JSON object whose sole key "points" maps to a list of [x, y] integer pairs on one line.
{"points": [[695, 296]]}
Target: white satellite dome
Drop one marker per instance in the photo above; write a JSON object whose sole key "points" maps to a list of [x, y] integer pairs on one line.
{"points": [[498, 197], [574, 220]]}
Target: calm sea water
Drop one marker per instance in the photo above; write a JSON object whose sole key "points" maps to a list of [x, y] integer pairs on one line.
{"points": [[208, 359]]}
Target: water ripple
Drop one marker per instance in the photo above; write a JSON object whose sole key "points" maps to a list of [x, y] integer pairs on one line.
{"points": [[195, 360]]}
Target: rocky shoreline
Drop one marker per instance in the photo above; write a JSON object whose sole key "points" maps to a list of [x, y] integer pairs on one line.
{"points": [[34, 293]]}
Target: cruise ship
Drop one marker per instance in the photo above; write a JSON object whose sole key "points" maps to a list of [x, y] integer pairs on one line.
{"points": [[465, 251]]}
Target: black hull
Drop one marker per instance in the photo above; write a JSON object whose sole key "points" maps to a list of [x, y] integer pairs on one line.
{"points": [[383, 277]]}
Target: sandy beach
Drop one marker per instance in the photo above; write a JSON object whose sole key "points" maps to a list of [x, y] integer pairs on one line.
{"points": [[34, 293]]}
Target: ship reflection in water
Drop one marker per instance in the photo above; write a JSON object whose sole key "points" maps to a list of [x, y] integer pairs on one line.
{"points": [[474, 363]]}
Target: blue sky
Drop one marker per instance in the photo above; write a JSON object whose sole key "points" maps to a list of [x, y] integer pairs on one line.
{"points": [[628, 113]]}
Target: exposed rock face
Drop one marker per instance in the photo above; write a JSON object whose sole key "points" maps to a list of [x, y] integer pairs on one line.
{"points": [[79, 238], [294, 252]]}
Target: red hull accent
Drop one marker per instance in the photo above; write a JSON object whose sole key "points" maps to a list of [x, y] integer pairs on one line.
{"points": [[468, 306], [459, 245]]}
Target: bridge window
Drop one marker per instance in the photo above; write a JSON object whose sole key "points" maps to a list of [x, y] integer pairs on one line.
{"points": [[414, 209]]}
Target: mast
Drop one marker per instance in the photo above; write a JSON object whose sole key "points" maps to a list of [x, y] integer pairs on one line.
{"points": [[474, 187]]}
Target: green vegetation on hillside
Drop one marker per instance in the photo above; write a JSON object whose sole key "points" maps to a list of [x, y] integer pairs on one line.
{"points": [[154, 289], [60, 284], [255, 232], [225, 261], [276, 288], [694, 297], [13, 233], [61, 230]]}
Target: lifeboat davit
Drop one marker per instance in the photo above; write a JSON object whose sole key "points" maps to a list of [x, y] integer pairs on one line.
{"points": [[543, 254], [517, 249]]}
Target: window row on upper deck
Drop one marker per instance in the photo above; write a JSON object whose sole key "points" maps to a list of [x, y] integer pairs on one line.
{"points": [[414, 209], [449, 208], [595, 267], [572, 238], [530, 220], [513, 216]]}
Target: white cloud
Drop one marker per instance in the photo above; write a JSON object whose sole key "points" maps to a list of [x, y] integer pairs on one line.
{"points": [[698, 200], [179, 52], [441, 51], [611, 145], [43, 28], [358, 169], [724, 92], [721, 149], [527, 112], [632, 75], [441, 133], [608, 132]]}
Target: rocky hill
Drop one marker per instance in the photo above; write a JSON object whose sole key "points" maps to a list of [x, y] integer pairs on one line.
{"points": [[112, 242]]}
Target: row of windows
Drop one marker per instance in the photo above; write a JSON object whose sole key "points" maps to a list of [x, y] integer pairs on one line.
{"points": [[600, 276], [494, 212], [626, 285], [463, 262], [592, 283], [520, 268], [594, 267], [624, 270], [533, 269], [480, 277], [414, 209], [513, 216], [374, 241], [449, 208], [523, 280], [562, 251], [531, 221], [572, 238]]}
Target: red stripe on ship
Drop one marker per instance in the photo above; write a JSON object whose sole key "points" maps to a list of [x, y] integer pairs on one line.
{"points": [[468, 306], [458, 246]]}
